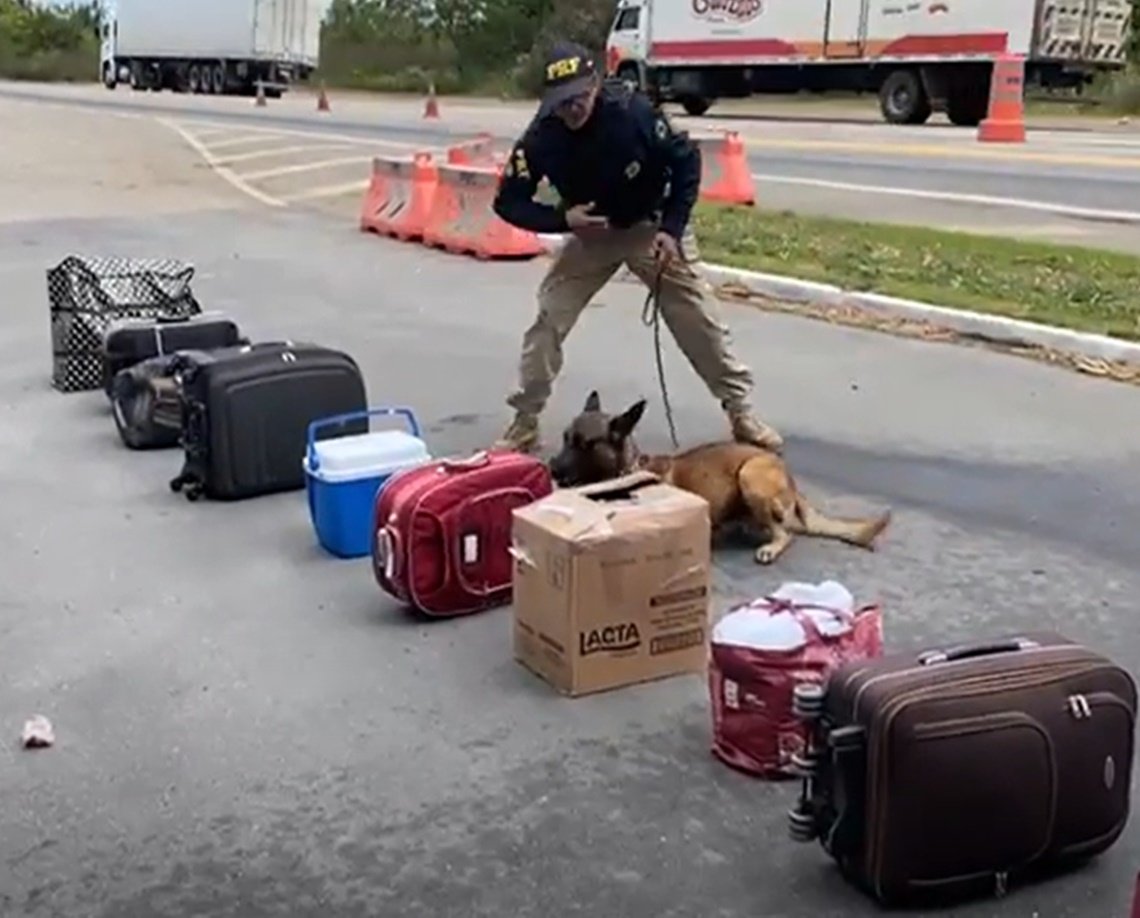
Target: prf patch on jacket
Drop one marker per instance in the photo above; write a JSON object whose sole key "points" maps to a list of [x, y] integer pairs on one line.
{"points": [[561, 69], [661, 128]]}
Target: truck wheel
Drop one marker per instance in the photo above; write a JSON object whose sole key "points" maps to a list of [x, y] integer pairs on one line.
{"points": [[219, 79], [903, 99], [110, 75], [967, 104], [696, 105], [194, 79], [628, 74]]}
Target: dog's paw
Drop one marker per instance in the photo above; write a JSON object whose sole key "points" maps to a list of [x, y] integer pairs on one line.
{"points": [[766, 554]]}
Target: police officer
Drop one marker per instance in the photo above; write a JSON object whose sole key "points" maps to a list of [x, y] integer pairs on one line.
{"points": [[627, 184]]}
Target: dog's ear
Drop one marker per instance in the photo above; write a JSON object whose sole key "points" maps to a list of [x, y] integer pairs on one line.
{"points": [[593, 402], [622, 426]]}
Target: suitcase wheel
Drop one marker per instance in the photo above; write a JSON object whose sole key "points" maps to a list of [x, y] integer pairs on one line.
{"points": [[804, 765], [801, 824], [807, 701]]}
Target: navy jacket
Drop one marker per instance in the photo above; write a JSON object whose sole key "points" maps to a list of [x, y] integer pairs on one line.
{"points": [[627, 159]]}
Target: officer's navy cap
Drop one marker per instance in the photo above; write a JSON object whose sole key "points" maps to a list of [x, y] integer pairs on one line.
{"points": [[569, 71]]}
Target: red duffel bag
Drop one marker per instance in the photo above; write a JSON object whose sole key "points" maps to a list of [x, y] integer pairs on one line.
{"points": [[761, 651], [441, 533]]}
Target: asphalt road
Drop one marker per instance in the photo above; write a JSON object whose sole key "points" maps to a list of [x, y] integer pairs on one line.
{"points": [[1072, 186], [248, 728]]}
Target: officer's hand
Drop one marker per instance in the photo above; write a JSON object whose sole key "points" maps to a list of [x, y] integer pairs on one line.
{"points": [[665, 249], [579, 217]]}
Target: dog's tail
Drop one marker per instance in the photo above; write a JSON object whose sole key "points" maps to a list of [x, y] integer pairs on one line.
{"points": [[861, 532]]}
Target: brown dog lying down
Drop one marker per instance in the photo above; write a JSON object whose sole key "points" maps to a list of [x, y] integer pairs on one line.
{"points": [[741, 482]]}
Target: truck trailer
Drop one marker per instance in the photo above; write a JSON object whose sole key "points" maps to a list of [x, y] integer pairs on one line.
{"points": [[919, 56], [211, 46]]}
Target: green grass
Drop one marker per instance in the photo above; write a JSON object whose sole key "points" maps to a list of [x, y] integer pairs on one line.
{"points": [[1080, 288], [76, 65]]}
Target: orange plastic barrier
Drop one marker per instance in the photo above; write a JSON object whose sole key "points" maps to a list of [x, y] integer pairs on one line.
{"points": [[1005, 122], [461, 219], [725, 176], [477, 152], [399, 197]]}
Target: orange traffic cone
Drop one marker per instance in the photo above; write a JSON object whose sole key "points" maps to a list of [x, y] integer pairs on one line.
{"points": [[431, 108], [323, 100], [725, 176], [1005, 122], [260, 94]]}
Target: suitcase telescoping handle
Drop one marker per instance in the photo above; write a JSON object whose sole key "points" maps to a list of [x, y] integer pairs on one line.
{"points": [[1011, 645], [340, 419]]}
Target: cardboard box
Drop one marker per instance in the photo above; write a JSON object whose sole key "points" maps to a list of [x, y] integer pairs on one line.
{"points": [[611, 584]]}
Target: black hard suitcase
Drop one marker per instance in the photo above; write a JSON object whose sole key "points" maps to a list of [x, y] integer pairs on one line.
{"points": [[960, 771], [130, 341], [246, 411], [146, 404]]}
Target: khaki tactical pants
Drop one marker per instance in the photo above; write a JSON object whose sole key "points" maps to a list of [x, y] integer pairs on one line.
{"points": [[688, 308]]}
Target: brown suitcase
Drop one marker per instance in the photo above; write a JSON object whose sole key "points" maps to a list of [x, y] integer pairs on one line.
{"points": [[959, 771]]}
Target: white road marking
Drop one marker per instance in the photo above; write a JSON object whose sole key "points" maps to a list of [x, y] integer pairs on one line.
{"points": [[277, 151], [329, 191], [227, 174], [1061, 210], [205, 133], [241, 141], [305, 167], [320, 135]]}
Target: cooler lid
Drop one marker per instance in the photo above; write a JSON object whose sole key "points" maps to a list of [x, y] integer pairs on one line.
{"points": [[369, 454]]}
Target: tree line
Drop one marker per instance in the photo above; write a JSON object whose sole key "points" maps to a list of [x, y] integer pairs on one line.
{"points": [[487, 46], [492, 46]]}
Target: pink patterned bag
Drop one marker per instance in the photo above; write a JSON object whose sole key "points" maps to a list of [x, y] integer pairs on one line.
{"points": [[754, 729]]}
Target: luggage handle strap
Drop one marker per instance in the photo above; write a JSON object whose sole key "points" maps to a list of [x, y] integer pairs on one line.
{"points": [[797, 610], [340, 419], [969, 651], [476, 461], [388, 552]]}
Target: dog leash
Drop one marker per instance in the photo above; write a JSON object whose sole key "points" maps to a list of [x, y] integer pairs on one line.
{"points": [[651, 317]]}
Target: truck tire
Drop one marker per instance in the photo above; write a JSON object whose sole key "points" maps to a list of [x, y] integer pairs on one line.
{"points": [[110, 75], [903, 98], [194, 79], [628, 74], [967, 103], [696, 105], [218, 76]]}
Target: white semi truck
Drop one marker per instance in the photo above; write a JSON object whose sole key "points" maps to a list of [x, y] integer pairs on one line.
{"points": [[919, 56], [211, 46]]}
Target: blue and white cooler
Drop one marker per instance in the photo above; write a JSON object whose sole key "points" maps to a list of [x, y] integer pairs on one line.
{"points": [[343, 475]]}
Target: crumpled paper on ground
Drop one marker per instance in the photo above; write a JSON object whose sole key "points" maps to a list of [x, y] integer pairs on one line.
{"points": [[38, 733]]}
